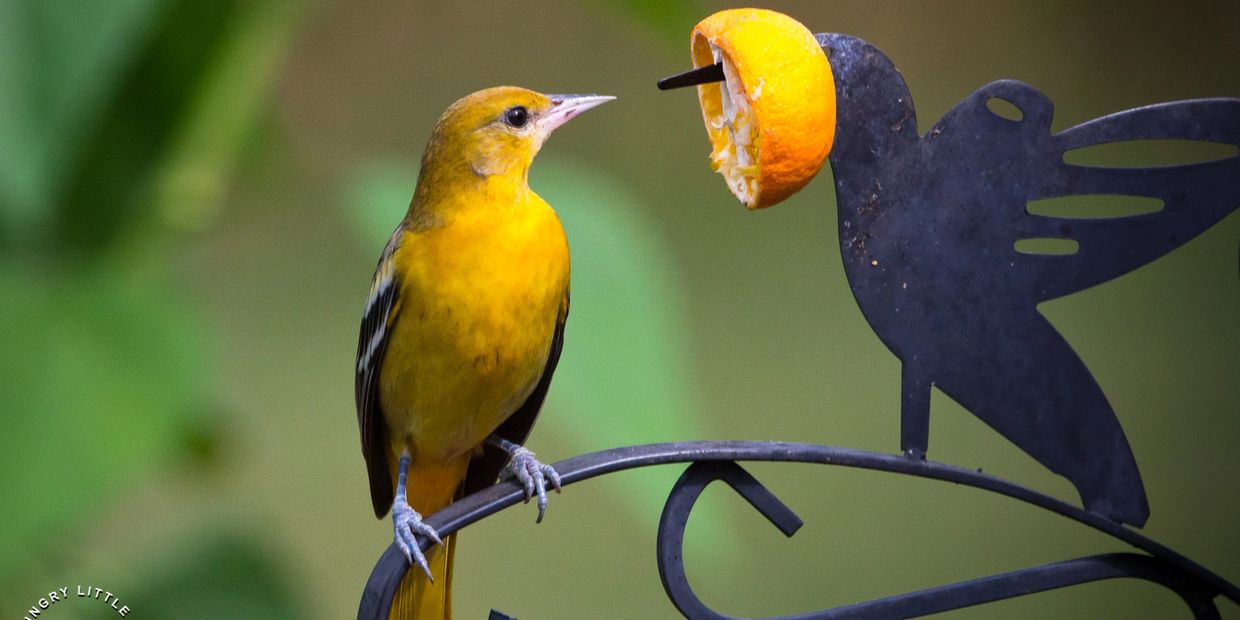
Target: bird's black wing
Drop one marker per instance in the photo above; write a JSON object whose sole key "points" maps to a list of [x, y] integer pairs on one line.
{"points": [[1194, 196], [377, 320], [484, 469]]}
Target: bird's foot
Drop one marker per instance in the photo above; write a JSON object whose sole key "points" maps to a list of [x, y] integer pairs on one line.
{"points": [[533, 476], [408, 524]]}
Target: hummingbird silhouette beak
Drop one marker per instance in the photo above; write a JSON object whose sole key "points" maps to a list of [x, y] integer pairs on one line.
{"points": [[693, 77], [709, 73]]}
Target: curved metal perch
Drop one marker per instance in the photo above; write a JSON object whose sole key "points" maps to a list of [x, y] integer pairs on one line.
{"points": [[715, 460]]}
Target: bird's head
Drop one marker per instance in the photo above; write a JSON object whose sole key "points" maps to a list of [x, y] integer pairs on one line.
{"points": [[498, 131]]}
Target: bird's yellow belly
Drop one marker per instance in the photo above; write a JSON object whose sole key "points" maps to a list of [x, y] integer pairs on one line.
{"points": [[472, 335]]}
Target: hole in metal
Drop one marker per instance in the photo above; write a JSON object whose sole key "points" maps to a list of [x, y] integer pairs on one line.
{"points": [[1094, 206], [1149, 153], [1004, 109], [1047, 246]]}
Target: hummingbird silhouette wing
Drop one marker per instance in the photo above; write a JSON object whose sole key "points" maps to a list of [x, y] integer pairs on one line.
{"points": [[975, 173], [1194, 196]]}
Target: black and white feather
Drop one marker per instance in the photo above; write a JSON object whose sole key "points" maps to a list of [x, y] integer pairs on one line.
{"points": [[377, 321]]}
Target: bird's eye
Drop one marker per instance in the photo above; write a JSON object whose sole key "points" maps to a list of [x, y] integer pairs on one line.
{"points": [[516, 116]]}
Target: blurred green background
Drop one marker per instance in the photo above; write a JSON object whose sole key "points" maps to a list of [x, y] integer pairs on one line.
{"points": [[193, 195]]}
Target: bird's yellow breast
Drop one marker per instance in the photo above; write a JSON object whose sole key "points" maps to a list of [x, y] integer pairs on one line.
{"points": [[479, 298]]}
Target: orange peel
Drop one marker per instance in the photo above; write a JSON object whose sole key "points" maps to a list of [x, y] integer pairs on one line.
{"points": [[771, 122]]}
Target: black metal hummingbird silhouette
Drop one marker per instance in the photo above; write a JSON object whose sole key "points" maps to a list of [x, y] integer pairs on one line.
{"points": [[928, 227]]}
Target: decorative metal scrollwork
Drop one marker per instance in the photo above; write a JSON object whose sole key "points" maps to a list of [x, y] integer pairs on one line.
{"points": [[717, 460]]}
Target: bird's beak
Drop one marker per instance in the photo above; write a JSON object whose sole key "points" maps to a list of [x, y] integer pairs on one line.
{"points": [[565, 107]]}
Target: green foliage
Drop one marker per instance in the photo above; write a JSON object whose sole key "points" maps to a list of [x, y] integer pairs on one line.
{"points": [[225, 575], [106, 365], [101, 380], [124, 155], [60, 63], [672, 20], [376, 197]]}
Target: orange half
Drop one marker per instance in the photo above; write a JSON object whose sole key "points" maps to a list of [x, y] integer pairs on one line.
{"points": [[771, 121]]}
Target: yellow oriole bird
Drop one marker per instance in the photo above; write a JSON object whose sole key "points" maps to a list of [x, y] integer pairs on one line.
{"points": [[463, 327]]}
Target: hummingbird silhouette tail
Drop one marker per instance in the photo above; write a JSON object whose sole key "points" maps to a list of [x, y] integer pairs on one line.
{"points": [[914, 411], [1118, 492]]}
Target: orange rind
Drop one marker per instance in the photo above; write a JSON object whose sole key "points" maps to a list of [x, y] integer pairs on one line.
{"points": [[771, 121]]}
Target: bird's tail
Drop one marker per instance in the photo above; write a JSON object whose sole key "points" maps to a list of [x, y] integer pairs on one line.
{"points": [[417, 596]]}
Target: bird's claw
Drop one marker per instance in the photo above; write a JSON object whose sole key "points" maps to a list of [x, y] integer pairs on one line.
{"points": [[533, 477], [408, 524]]}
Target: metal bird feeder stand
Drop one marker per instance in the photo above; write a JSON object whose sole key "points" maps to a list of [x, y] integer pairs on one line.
{"points": [[912, 219]]}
